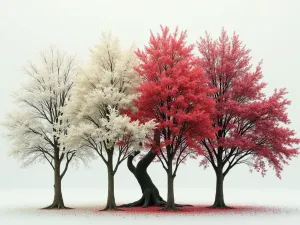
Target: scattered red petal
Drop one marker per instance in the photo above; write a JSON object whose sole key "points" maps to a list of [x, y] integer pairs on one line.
{"points": [[202, 209]]}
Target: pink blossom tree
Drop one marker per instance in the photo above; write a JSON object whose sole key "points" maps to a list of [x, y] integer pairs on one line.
{"points": [[251, 127]]}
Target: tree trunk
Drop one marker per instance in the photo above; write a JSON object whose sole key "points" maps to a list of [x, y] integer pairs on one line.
{"points": [[111, 204], [150, 192], [219, 196], [170, 199], [58, 202]]}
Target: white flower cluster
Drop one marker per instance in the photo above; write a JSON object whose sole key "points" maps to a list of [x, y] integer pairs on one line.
{"points": [[39, 118], [101, 90], [113, 128]]}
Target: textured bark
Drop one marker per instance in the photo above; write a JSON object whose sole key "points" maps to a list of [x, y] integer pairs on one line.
{"points": [[111, 204]]}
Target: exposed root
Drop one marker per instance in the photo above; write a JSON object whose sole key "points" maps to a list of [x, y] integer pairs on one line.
{"points": [[57, 206], [220, 206], [133, 204], [151, 196], [149, 200], [110, 207]]}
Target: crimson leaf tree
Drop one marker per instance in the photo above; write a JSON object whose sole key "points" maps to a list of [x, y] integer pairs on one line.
{"points": [[250, 126], [174, 93]]}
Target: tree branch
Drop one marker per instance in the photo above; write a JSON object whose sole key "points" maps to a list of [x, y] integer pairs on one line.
{"points": [[70, 155], [165, 168]]}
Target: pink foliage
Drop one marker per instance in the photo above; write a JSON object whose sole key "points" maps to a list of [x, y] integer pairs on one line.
{"points": [[249, 123], [174, 92], [121, 143]]}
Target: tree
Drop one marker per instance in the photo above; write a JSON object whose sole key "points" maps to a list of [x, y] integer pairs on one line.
{"points": [[174, 93], [37, 125], [150, 192], [250, 126], [101, 91]]}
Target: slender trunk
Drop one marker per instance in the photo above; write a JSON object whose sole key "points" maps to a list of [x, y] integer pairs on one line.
{"points": [[170, 199], [219, 197], [58, 202], [111, 204], [58, 198]]}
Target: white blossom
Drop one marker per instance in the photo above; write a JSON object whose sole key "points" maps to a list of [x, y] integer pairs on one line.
{"points": [[38, 125], [105, 86]]}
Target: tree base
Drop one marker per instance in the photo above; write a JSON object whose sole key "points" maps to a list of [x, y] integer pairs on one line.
{"points": [[57, 206], [151, 196], [220, 206], [150, 199], [110, 207], [171, 208]]}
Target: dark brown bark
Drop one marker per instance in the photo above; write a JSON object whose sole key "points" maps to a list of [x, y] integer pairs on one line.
{"points": [[171, 199], [110, 204], [150, 192], [219, 195], [58, 202]]}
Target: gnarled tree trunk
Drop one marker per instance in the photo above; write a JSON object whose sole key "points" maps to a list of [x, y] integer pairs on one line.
{"points": [[150, 192]]}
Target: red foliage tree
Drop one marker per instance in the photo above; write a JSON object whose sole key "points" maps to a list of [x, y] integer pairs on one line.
{"points": [[174, 92], [251, 128]]}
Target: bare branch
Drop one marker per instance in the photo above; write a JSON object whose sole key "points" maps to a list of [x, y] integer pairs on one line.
{"points": [[162, 163], [70, 155]]}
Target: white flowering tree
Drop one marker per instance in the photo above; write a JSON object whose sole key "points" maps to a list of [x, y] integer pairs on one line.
{"points": [[37, 125], [102, 90]]}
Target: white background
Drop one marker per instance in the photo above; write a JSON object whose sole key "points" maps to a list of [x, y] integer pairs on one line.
{"points": [[271, 28]]}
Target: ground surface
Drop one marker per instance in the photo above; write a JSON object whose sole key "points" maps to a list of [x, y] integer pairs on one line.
{"points": [[275, 206]]}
